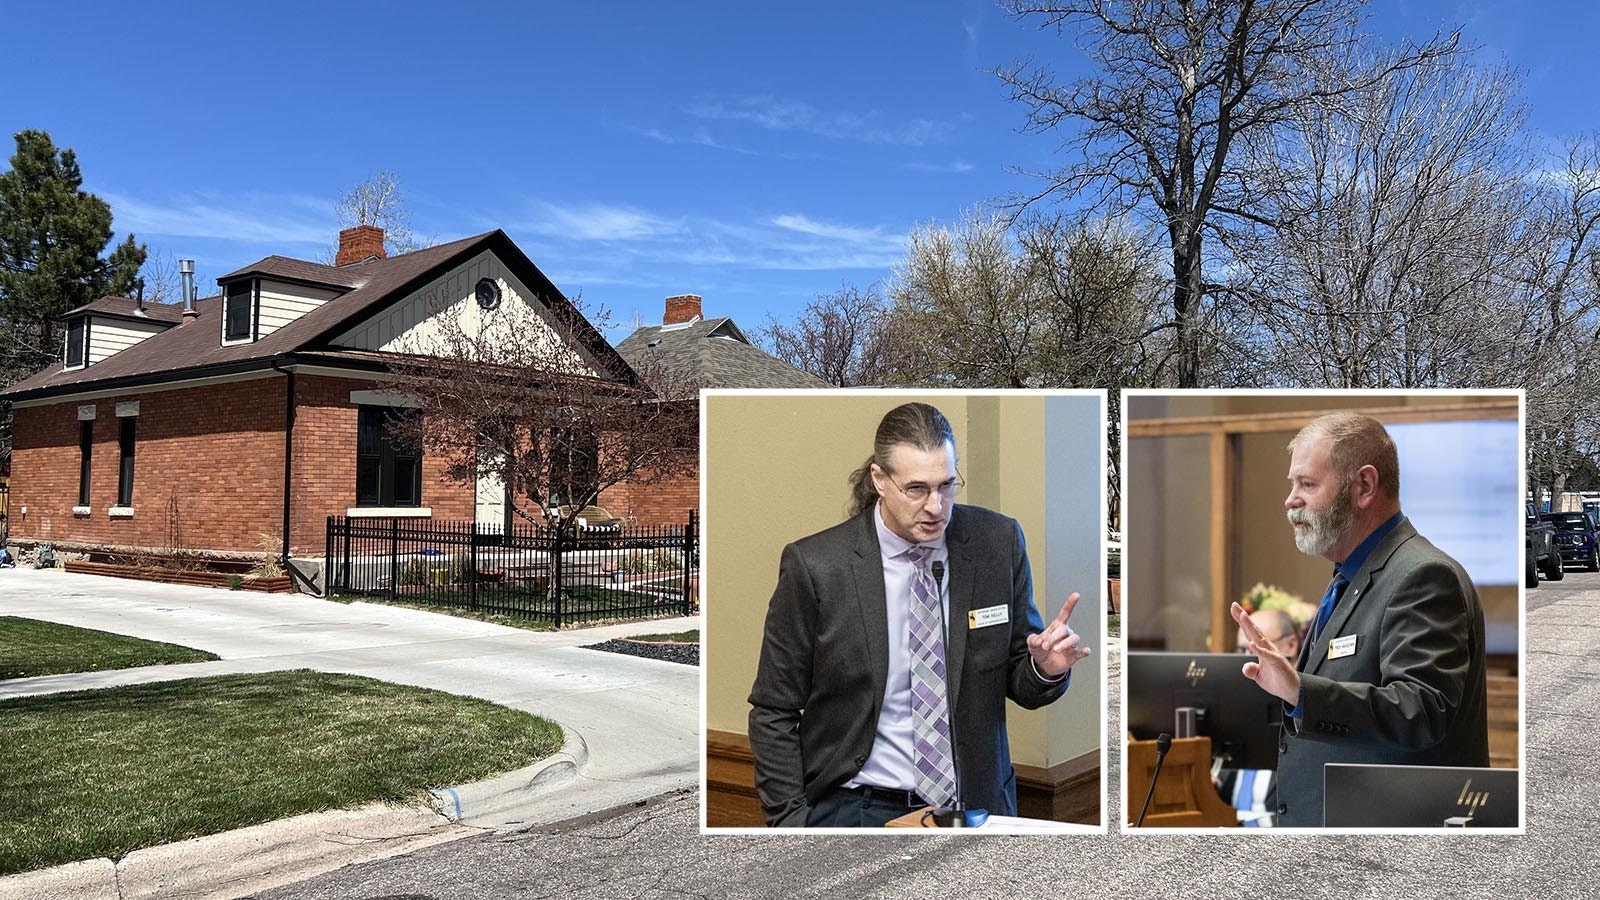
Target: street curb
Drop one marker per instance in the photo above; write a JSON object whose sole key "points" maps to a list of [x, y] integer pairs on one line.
{"points": [[243, 861], [496, 802]]}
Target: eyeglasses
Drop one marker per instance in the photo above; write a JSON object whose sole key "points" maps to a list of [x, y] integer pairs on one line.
{"points": [[918, 493]]}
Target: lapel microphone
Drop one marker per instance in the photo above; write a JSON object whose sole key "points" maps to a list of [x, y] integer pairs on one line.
{"points": [[954, 816]]}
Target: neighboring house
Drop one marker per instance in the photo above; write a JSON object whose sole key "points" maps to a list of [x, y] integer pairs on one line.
{"points": [[246, 419], [712, 353]]}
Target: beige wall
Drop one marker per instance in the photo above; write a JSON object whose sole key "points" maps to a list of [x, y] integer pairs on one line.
{"points": [[776, 469]]}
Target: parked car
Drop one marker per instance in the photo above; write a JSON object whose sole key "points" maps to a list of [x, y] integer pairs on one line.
{"points": [[1575, 538], [1541, 552]]}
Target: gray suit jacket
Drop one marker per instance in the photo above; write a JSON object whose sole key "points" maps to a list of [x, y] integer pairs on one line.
{"points": [[825, 659], [1413, 692]]}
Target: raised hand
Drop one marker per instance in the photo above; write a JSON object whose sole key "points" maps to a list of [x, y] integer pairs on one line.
{"points": [[1057, 647], [1273, 671]]}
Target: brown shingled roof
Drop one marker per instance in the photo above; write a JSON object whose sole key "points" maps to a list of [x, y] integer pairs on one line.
{"points": [[129, 308], [346, 277], [196, 349]]}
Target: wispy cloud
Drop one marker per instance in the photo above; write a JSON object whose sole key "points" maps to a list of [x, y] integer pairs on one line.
{"points": [[849, 234], [255, 219], [700, 137], [597, 222], [627, 246], [958, 167], [776, 114]]}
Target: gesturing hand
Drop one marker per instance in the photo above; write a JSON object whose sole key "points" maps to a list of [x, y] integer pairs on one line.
{"points": [[1056, 648], [1273, 671]]}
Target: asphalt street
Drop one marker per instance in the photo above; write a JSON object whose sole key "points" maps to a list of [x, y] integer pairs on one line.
{"points": [[657, 851]]}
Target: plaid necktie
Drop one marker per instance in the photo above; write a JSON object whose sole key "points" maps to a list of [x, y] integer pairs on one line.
{"points": [[930, 711]]}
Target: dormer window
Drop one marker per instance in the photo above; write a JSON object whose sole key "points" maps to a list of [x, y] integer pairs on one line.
{"points": [[77, 342], [238, 312]]}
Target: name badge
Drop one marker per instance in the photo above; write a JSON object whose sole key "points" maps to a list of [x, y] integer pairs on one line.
{"points": [[983, 618], [1340, 647]]}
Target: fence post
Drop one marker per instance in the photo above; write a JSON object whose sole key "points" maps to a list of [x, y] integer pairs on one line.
{"points": [[688, 560], [555, 570], [473, 578], [327, 562], [394, 558], [345, 577]]}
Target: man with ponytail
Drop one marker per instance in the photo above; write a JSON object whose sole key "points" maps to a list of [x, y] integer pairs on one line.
{"points": [[892, 642]]}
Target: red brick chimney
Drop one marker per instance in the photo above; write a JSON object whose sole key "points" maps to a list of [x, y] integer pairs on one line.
{"points": [[358, 243], [682, 308]]}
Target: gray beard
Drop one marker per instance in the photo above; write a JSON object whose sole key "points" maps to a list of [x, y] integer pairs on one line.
{"points": [[1327, 526]]}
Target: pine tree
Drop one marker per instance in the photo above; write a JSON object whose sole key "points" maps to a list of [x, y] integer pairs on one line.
{"points": [[52, 233]]}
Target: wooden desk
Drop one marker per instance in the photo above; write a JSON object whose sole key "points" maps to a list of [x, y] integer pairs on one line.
{"points": [[1184, 798]]}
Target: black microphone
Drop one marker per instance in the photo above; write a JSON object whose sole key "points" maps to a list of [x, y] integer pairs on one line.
{"points": [[1163, 744], [954, 816]]}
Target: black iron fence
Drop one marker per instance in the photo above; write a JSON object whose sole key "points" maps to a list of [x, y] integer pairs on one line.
{"points": [[531, 571]]}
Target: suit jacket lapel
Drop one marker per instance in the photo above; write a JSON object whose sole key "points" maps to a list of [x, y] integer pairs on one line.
{"points": [[963, 583], [867, 573], [1360, 587]]}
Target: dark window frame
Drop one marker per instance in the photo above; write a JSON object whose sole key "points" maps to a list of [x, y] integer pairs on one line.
{"points": [[85, 459], [127, 439], [388, 474], [77, 347], [237, 326]]}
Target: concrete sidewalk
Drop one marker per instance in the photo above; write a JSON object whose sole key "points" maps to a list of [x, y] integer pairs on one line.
{"points": [[632, 724]]}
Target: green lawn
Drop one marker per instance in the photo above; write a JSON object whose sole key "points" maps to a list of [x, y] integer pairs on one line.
{"points": [[692, 636], [102, 773], [29, 648], [1114, 625]]}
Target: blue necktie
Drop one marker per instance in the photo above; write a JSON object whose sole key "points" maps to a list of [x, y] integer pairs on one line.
{"points": [[1329, 600]]}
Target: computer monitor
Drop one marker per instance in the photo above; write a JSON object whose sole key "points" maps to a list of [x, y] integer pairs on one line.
{"points": [[1241, 719], [1418, 796]]}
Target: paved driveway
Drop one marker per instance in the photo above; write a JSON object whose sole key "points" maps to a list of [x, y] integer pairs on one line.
{"points": [[639, 718]]}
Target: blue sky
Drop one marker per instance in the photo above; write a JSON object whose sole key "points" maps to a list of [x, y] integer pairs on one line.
{"points": [[757, 154]]}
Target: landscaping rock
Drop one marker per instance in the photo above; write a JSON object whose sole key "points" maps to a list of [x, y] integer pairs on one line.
{"points": [[687, 654]]}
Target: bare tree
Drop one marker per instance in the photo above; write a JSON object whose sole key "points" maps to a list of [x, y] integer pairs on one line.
{"points": [[159, 278], [1039, 302], [1180, 84], [379, 201], [1560, 303], [516, 391], [1397, 232], [847, 338]]}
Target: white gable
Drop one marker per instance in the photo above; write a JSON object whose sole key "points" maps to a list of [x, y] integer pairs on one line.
{"points": [[282, 303], [109, 336], [421, 322]]}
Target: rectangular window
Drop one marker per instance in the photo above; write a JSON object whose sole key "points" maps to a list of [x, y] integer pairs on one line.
{"points": [[85, 451], [237, 312], [77, 334], [125, 470], [388, 464]]}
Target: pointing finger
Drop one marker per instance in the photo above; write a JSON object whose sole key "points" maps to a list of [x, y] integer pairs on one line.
{"points": [[1067, 608]]}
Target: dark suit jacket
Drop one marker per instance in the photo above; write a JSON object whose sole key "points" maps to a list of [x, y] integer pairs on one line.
{"points": [[825, 659], [1413, 693]]}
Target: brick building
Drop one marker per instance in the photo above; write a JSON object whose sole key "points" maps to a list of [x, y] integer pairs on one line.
{"points": [[236, 424]]}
